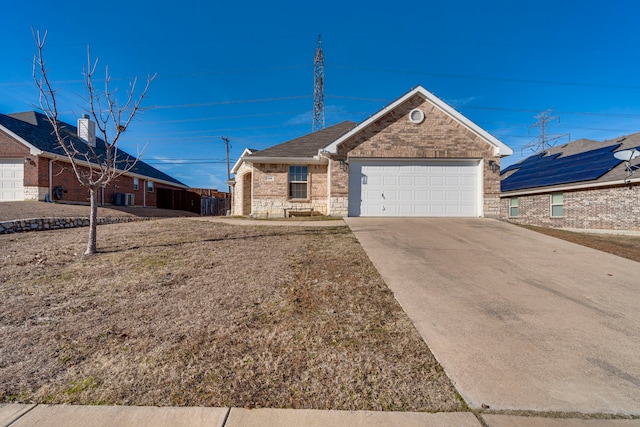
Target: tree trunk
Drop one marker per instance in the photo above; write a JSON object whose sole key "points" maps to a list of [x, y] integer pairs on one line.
{"points": [[93, 221]]}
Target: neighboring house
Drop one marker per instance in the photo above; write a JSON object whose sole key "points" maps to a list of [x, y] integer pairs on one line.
{"points": [[415, 157], [33, 166], [579, 185]]}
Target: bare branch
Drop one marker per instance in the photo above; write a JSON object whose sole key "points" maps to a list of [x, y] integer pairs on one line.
{"points": [[98, 165]]}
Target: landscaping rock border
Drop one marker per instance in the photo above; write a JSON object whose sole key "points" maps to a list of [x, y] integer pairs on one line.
{"points": [[41, 224]]}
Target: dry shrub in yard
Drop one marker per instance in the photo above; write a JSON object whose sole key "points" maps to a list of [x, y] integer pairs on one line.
{"points": [[184, 312]]}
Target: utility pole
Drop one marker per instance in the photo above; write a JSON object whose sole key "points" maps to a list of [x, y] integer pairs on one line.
{"points": [[318, 88], [544, 139], [226, 145]]}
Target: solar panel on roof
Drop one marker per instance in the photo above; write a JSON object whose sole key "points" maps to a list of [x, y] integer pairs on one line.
{"points": [[541, 170]]}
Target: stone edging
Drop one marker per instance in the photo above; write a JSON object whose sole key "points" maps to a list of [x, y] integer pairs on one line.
{"points": [[40, 224]]}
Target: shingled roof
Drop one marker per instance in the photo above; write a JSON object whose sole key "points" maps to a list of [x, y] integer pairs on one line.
{"points": [[34, 128], [583, 162], [307, 145]]}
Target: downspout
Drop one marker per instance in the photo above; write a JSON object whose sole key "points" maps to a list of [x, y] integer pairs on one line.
{"points": [[50, 178], [144, 194]]}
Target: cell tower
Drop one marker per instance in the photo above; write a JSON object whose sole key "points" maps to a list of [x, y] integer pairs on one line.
{"points": [[544, 139], [318, 88]]}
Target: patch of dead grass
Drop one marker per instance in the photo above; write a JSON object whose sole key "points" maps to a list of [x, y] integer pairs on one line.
{"points": [[183, 312], [616, 244]]}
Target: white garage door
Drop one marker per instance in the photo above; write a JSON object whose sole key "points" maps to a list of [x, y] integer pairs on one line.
{"points": [[414, 188], [11, 180]]}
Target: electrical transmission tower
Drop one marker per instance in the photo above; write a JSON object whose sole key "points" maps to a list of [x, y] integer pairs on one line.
{"points": [[544, 139], [318, 88]]}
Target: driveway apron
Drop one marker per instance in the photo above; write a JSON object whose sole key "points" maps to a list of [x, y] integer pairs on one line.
{"points": [[518, 320]]}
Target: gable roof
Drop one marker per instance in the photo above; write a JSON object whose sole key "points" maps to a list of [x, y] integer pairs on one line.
{"points": [[583, 163], [500, 149], [306, 146], [34, 130]]}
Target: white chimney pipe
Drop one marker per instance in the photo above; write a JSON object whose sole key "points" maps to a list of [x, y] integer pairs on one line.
{"points": [[87, 130]]}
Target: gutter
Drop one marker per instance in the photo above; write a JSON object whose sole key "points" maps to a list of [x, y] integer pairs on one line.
{"points": [[315, 160]]}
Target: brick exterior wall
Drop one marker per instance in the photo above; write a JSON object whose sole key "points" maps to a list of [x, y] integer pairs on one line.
{"points": [[63, 175], [439, 136], [10, 148], [36, 178], [270, 195], [609, 208]]}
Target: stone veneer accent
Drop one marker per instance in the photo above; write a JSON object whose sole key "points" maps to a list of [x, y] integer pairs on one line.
{"points": [[36, 193], [41, 224], [608, 208]]}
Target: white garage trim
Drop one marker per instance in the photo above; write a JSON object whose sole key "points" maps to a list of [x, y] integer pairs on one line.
{"points": [[415, 187], [11, 180]]}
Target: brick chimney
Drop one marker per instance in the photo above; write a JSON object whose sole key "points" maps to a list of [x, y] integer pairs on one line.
{"points": [[87, 130]]}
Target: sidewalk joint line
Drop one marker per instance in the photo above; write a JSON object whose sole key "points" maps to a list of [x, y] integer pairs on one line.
{"points": [[226, 417], [21, 415]]}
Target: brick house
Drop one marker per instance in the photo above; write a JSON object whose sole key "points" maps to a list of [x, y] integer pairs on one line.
{"points": [[33, 166], [415, 157], [580, 186]]}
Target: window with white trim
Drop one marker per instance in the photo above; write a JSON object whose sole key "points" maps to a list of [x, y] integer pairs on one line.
{"points": [[136, 183], [150, 186], [557, 204], [514, 206], [298, 181]]}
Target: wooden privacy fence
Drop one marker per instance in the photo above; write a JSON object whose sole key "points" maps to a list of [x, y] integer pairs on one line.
{"points": [[192, 202], [214, 206]]}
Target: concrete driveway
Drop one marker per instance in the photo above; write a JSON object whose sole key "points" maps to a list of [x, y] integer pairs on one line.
{"points": [[517, 319]]}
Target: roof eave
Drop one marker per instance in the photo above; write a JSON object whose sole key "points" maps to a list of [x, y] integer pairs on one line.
{"points": [[240, 160], [315, 160], [500, 148], [54, 156], [33, 150]]}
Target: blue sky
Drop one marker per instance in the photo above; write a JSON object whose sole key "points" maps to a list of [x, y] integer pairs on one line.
{"points": [[244, 70]]}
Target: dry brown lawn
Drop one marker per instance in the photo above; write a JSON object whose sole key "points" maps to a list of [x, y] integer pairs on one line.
{"points": [[184, 312], [621, 245]]}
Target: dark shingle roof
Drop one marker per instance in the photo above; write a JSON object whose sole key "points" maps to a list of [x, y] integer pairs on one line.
{"points": [[582, 161], [307, 145], [35, 128]]}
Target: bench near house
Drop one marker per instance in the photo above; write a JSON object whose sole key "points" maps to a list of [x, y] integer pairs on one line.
{"points": [[416, 157]]}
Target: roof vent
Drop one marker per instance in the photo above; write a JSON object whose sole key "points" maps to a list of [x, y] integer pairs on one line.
{"points": [[416, 116]]}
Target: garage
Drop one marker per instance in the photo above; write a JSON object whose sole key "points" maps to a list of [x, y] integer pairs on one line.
{"points": [[11, 180], [414, 188]]}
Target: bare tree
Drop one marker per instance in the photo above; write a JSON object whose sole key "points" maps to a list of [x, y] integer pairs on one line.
{"points": [[94, 166]]}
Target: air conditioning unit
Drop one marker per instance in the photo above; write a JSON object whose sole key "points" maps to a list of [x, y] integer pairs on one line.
{"points": [[120, 199], [131, 199]]}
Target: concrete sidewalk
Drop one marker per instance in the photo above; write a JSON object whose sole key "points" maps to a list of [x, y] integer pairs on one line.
{"points": [[18, 415]]}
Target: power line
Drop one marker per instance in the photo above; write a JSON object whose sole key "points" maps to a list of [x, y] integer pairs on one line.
{"points": [[488, 78], [240, 101]]}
